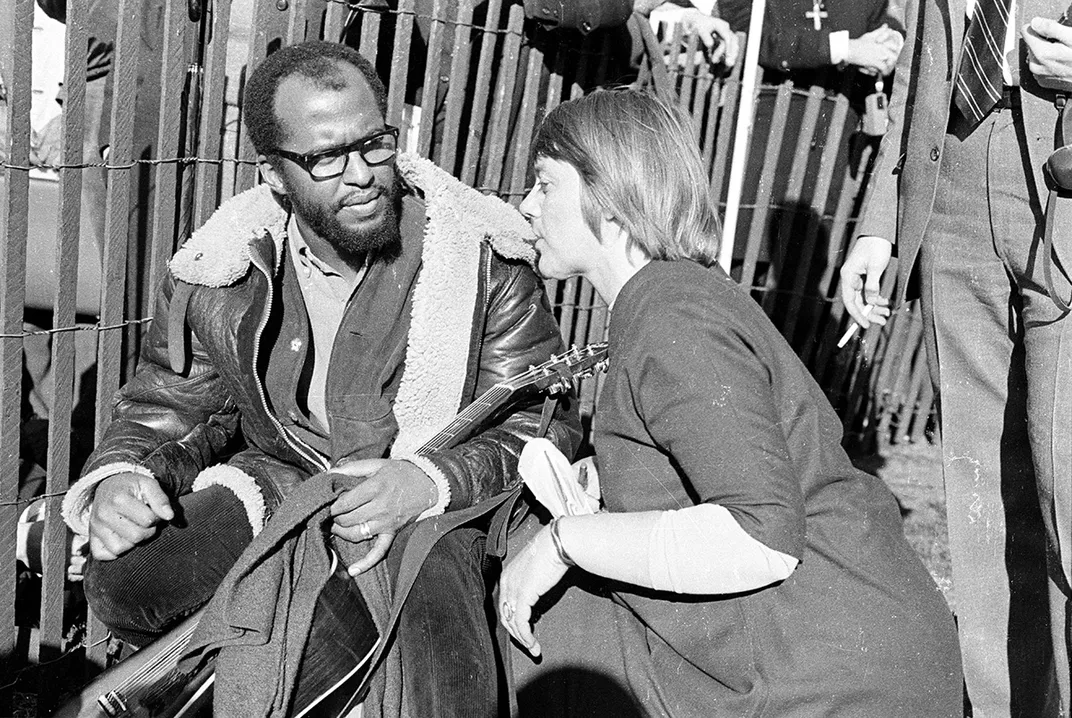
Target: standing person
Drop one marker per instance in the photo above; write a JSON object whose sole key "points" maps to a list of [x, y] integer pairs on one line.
{"points": [[752, 569], [959, 194], [813, 41], [338, 317]]}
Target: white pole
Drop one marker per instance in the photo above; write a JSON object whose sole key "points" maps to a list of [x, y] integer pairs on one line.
{"points": [[742, 134]]}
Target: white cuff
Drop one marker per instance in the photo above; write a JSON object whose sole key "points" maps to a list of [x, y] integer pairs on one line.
{"points": [[79, 497], [241, 485], [839, 47], [438, 478]]}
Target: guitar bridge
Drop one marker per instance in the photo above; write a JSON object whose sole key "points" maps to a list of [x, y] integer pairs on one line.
{"points": [[112, 704]]}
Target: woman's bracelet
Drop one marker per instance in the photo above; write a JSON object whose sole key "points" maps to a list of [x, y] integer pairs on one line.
{"points": [[557, 541]]}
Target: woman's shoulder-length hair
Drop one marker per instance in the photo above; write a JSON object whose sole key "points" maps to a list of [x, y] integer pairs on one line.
{"points": [[640, 163]]}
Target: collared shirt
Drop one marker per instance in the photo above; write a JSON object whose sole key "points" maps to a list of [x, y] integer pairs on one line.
{"points": [[326, 293], [1011, 36]]}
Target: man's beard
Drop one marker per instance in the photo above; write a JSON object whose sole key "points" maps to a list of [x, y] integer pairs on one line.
{"points": [[353, 244]]}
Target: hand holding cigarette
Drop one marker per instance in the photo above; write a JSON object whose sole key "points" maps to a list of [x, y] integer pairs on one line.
{"points": [[853, 328]]}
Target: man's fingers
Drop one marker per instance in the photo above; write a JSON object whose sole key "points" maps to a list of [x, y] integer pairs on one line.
{"points": [[360, 467], [352, 499], [130, 509], [129, 531], [155, 498], [1051, 29], [379, 549], [100, 551], [106, 545]]}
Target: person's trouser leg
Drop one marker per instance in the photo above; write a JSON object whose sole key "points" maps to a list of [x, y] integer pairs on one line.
{"points": [[151, 587], [1048, 348], [448, 657], [996, 536]]}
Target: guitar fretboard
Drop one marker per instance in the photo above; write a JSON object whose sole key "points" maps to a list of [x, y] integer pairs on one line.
{"points": [[476, 412]]}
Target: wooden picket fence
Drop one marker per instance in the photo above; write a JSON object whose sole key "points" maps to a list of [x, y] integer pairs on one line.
{"points": [[485, 77]]}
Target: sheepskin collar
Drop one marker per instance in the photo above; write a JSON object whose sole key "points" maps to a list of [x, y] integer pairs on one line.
{"points": [[459, 219], [217, 254]]}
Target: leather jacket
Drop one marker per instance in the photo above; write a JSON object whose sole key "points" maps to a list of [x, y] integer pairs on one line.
{"points": [[199, 396]]}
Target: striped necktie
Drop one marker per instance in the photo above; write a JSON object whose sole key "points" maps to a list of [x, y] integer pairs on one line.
{"points": [[979, 79]]}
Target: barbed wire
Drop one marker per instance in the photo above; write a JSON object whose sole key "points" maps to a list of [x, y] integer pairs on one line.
{"points": [[32, 499], [562, 44], [98, 327], [129, 165]]}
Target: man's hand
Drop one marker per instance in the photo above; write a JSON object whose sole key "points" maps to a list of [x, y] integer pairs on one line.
{"points": [[532, 573], [1049, 52], [46, 146], [717, 36], [392, 496], [860, 280], [127, 510], [644, 7], [876, 51]]}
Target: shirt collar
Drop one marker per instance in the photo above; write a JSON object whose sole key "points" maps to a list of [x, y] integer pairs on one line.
{"points": [[304, 253]]}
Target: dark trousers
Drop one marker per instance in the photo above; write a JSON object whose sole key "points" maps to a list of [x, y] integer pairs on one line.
{"points": [[445, 639], [1001, 356]]}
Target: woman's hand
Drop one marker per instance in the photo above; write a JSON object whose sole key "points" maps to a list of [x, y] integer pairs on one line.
{"points": [[529, 575]]}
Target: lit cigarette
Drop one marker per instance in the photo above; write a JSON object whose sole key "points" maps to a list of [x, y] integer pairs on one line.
{"points": [[853, 327]]}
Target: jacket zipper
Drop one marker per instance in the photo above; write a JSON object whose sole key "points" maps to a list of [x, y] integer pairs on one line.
{"points": [[309, 453]]}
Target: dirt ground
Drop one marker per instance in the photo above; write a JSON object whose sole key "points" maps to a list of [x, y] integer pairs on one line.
{"points": [[914, 474]]}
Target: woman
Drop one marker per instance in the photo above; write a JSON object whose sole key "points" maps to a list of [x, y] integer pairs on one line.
{"points": [[754, 571]]}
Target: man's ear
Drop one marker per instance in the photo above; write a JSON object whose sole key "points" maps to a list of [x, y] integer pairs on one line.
{"points": [[271, 175]]}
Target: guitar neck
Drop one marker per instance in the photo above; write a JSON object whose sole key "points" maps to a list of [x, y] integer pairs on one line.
{"points": [[483, 407]]}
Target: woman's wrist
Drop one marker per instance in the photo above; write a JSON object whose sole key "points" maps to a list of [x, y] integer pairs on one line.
{"points": [[556, 540]]}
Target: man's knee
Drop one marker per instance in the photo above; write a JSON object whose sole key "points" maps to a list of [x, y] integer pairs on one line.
{"points": [[151, 587], [130, 596]]}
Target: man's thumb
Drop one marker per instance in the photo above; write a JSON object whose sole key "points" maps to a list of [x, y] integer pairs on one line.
{"points": [[156, 499]]}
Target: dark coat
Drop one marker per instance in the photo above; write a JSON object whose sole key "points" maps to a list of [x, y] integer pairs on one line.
{"points": [[175, 424], [705, 402]]}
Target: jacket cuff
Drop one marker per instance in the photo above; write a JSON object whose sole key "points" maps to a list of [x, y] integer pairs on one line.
{"points": [[79, 497], [438, 478], [241, 485]]}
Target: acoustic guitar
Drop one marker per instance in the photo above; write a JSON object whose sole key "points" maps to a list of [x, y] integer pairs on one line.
{"points": [[342, 644]]}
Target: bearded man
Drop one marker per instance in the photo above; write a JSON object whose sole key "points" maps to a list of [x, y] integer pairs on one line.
{"points": [[333, 319]]}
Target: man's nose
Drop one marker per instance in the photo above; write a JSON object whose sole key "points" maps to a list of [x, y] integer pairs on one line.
{"points": [[357, 171]]}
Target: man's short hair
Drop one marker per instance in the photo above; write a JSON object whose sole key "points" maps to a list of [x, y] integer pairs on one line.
{"points": [[640, 163], [316, 60]]}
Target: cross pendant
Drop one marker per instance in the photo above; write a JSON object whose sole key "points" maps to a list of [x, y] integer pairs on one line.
{"points": [[817, 14]]}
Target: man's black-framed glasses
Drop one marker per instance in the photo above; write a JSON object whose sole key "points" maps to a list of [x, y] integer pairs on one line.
{"points": [[375, 150]]}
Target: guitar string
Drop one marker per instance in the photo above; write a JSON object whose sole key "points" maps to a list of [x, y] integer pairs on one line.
{"points": [[155, 669]]}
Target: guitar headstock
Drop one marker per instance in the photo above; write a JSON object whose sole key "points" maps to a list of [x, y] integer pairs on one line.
{"points": [[559, 373]]}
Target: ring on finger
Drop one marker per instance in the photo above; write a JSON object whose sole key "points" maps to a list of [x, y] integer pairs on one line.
{"points": [[507, 610], [366, 532]]}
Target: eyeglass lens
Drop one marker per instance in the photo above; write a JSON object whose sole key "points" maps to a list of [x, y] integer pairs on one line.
{"points": [[374, 150]]}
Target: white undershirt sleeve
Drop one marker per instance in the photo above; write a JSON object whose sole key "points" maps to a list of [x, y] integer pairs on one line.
{"points": [[703, 550], [839, 47]]}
